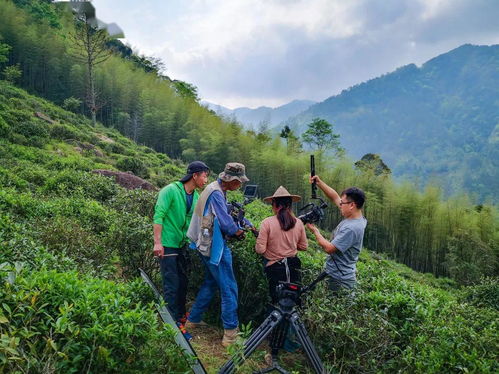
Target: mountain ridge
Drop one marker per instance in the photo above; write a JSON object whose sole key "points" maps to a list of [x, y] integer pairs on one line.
{"points": [[436, 121], [252, 117]]}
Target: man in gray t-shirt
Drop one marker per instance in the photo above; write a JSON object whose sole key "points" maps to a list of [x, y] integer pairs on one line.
{"points": [[346, 241]]}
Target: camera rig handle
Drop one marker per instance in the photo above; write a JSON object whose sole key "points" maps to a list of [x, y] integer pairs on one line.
{"points": [[312, 285], [312, 173]]}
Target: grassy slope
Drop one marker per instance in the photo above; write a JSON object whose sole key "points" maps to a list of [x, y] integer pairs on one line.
{"points": [[56, 214]]}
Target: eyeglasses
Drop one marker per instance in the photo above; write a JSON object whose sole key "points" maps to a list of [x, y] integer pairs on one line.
{"points": [[345, 202]]}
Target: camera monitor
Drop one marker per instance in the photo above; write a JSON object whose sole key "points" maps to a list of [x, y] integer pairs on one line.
{"points": [[250, 191]]}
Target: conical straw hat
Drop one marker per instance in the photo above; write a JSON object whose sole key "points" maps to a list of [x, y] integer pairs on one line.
{"points": [[282, 192]]}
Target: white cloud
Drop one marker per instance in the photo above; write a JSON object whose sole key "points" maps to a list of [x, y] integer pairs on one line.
{"points": [[268, 52]]}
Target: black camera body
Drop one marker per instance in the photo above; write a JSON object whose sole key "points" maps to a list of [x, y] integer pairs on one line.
{"points": [[312, 213], [237, 212]]}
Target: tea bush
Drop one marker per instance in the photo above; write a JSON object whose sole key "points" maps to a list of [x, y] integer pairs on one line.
{"points": [[18, 245], [64, 132], [484, 294], [4, 128], [65, 235], [32, 129], [75, 182], [61, 322], [9, 179], [136, 201], [135, 165]]}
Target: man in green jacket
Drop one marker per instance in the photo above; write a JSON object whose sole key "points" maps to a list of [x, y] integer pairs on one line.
{"points": [[172, 216]]}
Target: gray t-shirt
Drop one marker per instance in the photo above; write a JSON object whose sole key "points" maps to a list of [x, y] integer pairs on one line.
{"points": [[347, 238]]}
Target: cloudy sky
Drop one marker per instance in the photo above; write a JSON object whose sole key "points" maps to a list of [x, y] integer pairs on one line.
{"points": [[269, 52]]}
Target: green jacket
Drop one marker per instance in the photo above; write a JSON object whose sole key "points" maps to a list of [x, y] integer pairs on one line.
{"points": [[170, 211]]}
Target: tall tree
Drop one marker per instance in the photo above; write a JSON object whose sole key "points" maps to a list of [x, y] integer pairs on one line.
{"points": [[373, 162], [186, 90], [92, 50], [320, 135], [293, 144], [4, 52]]}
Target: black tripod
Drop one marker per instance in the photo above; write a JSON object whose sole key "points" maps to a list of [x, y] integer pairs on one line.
{"points": [[278, 322]]}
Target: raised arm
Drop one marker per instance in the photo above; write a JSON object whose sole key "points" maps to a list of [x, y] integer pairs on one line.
{"points": [[328, 191]]}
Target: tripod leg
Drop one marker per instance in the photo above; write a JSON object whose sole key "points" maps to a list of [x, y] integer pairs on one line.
{"points": [[254, 341], [307, 344]]}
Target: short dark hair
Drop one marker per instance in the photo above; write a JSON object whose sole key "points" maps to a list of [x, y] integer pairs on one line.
{"points": [[356, 195]]}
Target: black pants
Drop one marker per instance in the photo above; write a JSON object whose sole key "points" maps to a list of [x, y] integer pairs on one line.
{"points": [[173, 268], [277, 273]]}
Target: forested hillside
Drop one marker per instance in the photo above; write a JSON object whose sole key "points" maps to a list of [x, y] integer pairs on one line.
{"points": [[71, 241], [438, 122]]}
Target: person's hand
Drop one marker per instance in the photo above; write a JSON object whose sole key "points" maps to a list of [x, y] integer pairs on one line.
{"points": [[255, 231], [240, 235], [316, 179], [312, 228], [158, 250]]}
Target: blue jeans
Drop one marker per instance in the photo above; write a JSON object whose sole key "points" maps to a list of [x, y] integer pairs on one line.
{"points": [[219, 277], [173, 273]]}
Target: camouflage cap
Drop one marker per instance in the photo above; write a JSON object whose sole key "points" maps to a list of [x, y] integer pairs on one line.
{"points": [[234, 170]]}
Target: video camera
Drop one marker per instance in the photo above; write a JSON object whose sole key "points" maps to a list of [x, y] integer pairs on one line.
{"points": [[237, 212], [313, 212]]}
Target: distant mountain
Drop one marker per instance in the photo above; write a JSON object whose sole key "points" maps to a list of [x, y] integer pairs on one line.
{"points": [[439, 121], [254, 117]]}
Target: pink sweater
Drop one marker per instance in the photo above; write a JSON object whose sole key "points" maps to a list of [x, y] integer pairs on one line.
{"points": [[275, 244]]}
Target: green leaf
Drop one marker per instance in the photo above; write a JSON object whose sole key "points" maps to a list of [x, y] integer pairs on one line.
{"points": [[3, 319]]}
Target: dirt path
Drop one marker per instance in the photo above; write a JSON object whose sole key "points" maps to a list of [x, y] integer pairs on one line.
{"points": [[207, 343]]}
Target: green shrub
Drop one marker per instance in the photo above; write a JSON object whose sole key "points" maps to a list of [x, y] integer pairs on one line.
{"points": [[167, 174], [457, 338], [9, 179], [75, 182], [67, 236], [32, 173], [467, 269], [22, 152], [72, 104], [18, 139], [75, 162], [130, 236], [32, 129], [483, 294], [14, 116], [136, 201], [63, 132], [18, 246], [116, 148], [134, 165], [59, 322], [4, 128]]}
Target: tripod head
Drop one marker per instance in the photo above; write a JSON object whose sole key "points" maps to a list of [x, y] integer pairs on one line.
{"points": [[289, 294]]}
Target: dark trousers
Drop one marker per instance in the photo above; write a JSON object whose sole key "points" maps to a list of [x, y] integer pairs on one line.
{"points": [[173, 268], [277, 273]]}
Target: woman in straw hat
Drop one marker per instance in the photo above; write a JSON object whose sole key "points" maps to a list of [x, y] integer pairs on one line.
{"points": [[280, 238]]}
